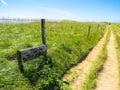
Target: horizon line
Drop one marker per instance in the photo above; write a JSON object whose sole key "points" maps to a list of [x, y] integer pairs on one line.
{"points": [[50, 19]]}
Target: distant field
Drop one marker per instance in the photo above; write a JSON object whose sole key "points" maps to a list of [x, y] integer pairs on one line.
{"points": [[67, 42]]}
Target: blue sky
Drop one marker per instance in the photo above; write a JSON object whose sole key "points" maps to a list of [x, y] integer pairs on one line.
{"points": [[80, 10]]}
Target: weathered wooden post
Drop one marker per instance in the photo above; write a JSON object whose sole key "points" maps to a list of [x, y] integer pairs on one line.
{"points": [[89, 27], [43, 36], [31, 53], [20, 64], [43, 31]]}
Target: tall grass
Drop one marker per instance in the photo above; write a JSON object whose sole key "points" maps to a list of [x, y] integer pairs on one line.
{"points": [[67, 41]]}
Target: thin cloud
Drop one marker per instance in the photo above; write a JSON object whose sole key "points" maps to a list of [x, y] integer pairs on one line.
{"points": [[45, 12], [3, 1], [60, 14], [63, 12]]}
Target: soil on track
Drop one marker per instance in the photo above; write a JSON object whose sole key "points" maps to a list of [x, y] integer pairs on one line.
{"points": [[78, 73], [108, 78]]}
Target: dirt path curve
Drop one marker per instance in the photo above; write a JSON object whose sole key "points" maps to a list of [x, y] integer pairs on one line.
{"points": [[78, 73], [108, 79]]}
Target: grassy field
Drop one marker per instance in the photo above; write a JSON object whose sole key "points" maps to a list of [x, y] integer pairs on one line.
{"points": [[67, 42], [116, 29]]}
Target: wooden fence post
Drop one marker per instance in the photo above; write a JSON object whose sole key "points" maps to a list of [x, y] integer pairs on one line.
{"points": [[43, 31], [98, 27], [89, 30], [20, 64], [44, 36]]}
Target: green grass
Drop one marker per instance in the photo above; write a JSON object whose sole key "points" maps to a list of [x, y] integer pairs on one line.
{"points": [[96, 67], [116, 29], [66, 40]]}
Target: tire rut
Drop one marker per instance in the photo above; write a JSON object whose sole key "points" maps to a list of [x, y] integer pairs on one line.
{"points": [[108, 78]]}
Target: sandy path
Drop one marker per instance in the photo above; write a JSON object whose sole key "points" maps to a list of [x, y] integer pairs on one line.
{"points": [[108, 78], [78, 73]]}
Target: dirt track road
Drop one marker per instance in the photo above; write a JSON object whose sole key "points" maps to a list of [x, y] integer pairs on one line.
{"points": [[108, 78], [78, 73]]}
